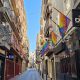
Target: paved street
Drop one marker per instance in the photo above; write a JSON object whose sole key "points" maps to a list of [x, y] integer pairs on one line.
{"points": [[30, 74]]}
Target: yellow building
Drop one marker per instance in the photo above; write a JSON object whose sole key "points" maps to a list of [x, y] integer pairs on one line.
{"points": [[25, 42], [18, 7]]}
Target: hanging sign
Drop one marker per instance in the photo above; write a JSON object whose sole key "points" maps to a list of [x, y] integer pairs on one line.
{"points": [[76, 17]]}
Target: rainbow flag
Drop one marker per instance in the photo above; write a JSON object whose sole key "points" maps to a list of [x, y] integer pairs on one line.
{"points": [[62, 33], [63, 24], [53, 37], [44, 48]]}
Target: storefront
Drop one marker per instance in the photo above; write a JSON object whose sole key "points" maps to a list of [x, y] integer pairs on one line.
{"points": [[68, 65], [9, 65], [13, 64], [63, 63], [56, 60]]}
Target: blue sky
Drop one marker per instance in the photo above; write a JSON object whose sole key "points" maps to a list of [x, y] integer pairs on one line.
{"points": [[33, 13]]}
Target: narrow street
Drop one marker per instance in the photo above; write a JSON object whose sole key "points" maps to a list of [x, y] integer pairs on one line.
{"points": [[30, 74], [39, 39]]}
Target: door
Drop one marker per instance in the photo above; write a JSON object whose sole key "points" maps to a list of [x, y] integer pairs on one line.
{"points": [[2, 62], [77, 56]]}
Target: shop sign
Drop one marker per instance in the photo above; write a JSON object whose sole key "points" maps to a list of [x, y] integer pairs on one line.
{"points": [[10, 56], [76, 17], [2, 51]]}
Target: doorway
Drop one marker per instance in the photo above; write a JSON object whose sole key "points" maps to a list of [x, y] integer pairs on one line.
{"points": [[2, 64], [77, 56]]}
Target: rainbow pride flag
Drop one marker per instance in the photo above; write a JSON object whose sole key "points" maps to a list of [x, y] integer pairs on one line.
{"points": [[44, 48], [53, 37], [63, 24]]}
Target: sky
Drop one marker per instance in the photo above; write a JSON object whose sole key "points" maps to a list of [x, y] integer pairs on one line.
{"points": [[33, 13]]}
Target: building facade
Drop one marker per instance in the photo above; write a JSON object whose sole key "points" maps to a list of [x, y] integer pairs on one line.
{"points": [[62, 35], [11, 51]]}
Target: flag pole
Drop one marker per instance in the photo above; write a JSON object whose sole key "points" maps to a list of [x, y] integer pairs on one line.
{"points": [[55, 22], [60, 12]]}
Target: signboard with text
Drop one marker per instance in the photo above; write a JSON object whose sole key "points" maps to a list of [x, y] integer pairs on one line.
{"points": [[10, 56]]}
